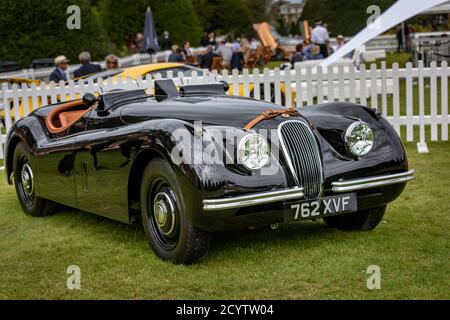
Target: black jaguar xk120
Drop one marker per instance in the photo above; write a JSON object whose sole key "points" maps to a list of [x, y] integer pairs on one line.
{"points": [[190, 161]]}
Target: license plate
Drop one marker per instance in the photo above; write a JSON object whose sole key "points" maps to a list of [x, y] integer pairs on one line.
{"points": [[322, 207]]}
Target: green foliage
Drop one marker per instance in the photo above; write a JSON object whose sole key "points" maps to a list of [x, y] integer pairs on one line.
{"points": [[224, 16], [37, 29], [258, 10], [125, 18], [281, 27], [343, 17]]}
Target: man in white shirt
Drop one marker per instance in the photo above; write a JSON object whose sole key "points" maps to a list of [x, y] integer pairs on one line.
{"points": [[224, 50], [320, 36]]}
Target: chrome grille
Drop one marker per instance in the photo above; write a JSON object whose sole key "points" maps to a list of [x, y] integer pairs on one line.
{"points": [[303, 156]]}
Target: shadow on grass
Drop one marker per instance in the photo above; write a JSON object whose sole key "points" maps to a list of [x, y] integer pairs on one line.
{"points": [[305, 233]]}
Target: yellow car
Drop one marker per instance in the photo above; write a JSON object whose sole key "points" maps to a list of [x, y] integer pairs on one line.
{"points": [[154, 70], [163, 69]]}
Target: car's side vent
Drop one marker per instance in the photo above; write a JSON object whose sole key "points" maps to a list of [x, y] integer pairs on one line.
{"points": [[303, 156]]}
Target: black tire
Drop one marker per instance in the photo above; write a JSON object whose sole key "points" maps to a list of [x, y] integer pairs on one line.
{"points": [[165, 218], [364, 220], [24, 183]]}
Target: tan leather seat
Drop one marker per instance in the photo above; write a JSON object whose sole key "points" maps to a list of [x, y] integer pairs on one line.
{"points": [[65, 115]]}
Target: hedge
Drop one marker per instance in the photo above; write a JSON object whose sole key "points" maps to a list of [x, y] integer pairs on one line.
{"points": [[32, 29], [343, 17], [125, 18]]}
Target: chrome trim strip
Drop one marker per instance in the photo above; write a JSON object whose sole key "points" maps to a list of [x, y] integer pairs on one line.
{"points": [[252, 199], [372, 182]]}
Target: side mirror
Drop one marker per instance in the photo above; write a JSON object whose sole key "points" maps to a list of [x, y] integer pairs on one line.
{"points": [[89, 99], [225, 85]]}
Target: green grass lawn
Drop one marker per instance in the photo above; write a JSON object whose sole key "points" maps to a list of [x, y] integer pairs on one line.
{"points": [[401, 58], [299, 261]]}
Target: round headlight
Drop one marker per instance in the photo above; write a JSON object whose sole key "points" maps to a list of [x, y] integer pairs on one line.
{"points": [[253, 152], [359, 138]]}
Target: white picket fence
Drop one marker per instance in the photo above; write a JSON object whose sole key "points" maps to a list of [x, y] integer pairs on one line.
{"points": [[409, 98]]}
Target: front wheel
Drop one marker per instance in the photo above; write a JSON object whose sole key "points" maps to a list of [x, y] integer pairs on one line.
{"points": [[165, 217], [364, 220], [25, 181]]}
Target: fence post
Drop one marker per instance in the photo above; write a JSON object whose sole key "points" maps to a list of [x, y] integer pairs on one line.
{"points": [[309, 86], [396, 97], [267, 89], [409, 103], [330, 80], [298, 87], [6, 106], [288, 88], [352, 84], [2, 142], [383, 89], [245, 80], [277, 88], [319, 84], [433, 101], [444, 101], [374, 86], [421, 145], [235, 82], [256, 84], [362, 85], [341, 84]]}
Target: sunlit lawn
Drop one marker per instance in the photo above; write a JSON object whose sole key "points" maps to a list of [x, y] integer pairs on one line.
{"points": [[300, 261]]}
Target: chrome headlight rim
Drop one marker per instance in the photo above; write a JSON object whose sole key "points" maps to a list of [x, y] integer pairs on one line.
{"points": [[241, 149], [349, 135]]}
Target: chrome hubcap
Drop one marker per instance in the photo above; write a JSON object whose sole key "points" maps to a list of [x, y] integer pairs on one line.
{"points": [[26, 177], [164, 211]]}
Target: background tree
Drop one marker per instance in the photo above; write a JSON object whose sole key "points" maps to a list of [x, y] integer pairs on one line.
{"points": [[258, 10], [224, 16], [38, 29], [281, 27], [343, 17], [125, 18]]}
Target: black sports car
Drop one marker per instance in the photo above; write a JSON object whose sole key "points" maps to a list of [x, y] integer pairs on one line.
{"points": [[190, 161]]}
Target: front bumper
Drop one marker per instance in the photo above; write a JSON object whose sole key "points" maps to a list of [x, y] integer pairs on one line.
{"points": [[372, 182], [253, 199], [296, 193]]}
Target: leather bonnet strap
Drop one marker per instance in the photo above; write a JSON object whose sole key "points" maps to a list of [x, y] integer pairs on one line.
{"points": [[270, 114]]}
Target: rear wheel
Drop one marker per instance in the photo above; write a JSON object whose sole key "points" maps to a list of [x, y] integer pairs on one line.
{"points": [[364, 220], [165, 218], [24, 181]]}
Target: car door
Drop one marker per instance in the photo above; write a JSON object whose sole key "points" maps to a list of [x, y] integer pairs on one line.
{"points": [[55, 162], [102, 164]]}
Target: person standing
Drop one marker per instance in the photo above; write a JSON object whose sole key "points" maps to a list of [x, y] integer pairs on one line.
{"points": [[212, 39], [87, 66], [320, 37], [224, 50], [207, 58], [187, 49], [166, 42], [59, 74], [237, 60], [205, 39], [400, 35], [246, 49]]}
